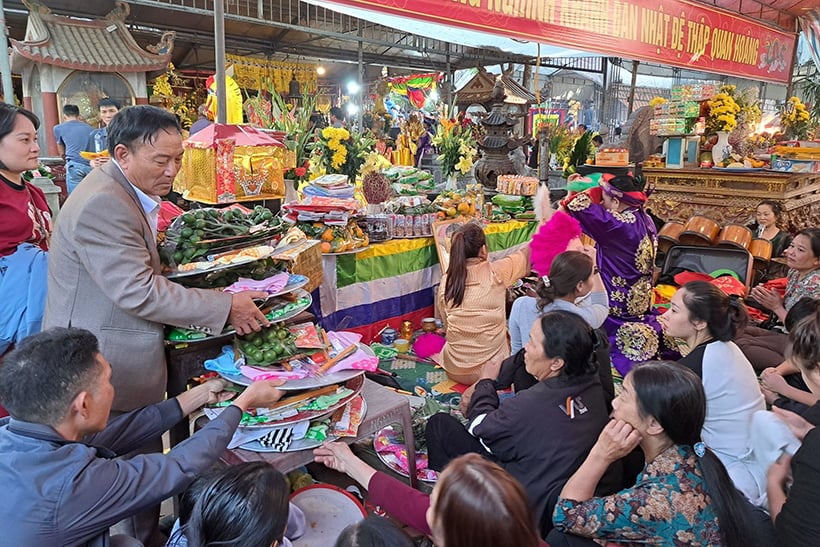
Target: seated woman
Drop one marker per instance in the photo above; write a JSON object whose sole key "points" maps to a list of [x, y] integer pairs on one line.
{"points": [[794, 513], [767, 349], [244, 505], [573, 275], [472, 303], [783, 385], [475, 503], [683, 496], [541, 434], [706, 319], [768, 216]]}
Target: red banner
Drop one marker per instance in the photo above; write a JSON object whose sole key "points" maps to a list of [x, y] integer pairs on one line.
{"points": [[679, 33]]}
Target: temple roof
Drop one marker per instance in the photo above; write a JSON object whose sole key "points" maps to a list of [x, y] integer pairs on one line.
{"points": [[480, 90], [101, 45]]}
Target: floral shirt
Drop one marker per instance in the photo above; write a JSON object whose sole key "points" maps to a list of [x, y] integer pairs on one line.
{"points": [[667, 506], [797, 288]]}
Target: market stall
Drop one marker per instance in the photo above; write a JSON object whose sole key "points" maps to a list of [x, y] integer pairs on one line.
{"points": [[395, 280]]}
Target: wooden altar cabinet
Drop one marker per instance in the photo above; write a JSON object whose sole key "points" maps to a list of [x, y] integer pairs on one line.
{"points": [[731, 197]]}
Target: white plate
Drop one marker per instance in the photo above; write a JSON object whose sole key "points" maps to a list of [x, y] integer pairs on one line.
{"points": [[328, 510], [307, 383]]}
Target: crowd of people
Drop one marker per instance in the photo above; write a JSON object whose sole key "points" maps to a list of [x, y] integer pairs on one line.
{"points": [[625, 425]]}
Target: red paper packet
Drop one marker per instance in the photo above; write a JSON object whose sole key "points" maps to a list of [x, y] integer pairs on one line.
{"points": [[306, 336]]}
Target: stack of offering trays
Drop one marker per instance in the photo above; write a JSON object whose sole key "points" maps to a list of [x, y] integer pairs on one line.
{"points": [[515, 185]]}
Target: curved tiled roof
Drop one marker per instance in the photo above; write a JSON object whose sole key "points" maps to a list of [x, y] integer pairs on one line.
{"points": [[101, 45]]}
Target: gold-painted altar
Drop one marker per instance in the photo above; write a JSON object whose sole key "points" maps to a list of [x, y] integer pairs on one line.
{"points": [[731, 197]]}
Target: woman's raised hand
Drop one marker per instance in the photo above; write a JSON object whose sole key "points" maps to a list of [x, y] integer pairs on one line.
{"points": [[616, 440]]}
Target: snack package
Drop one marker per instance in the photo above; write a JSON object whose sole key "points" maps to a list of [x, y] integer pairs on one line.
{"points": [[307, 336], [346, 420]]}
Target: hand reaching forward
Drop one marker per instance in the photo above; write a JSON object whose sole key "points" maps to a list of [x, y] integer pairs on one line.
{"points": [[245, 316], [337, 456]]}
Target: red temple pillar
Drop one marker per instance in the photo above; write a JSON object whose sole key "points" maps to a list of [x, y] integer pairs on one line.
{"points": [[51, 118], [142, 100], [27, 103]]}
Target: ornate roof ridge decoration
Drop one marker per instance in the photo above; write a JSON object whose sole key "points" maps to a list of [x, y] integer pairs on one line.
{"points": [[480, 90], [99, 45]]}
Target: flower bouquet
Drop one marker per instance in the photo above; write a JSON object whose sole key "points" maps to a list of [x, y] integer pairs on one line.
{"points": [[339, 151], [794, 119], [723, 111], [456, 146]]}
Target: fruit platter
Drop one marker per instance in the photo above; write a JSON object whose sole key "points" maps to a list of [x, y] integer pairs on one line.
{"points": [[335, 238], [454, 203]]}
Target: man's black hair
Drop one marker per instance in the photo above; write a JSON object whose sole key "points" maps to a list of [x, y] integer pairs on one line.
{"points": [[137, 125]]}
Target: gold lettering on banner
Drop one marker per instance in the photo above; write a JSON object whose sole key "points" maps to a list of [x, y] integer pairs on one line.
{"points": [[625, 20], [655, 28], [698, 35], [746, 48], [471, 3], [678, 26], [722, 44]]}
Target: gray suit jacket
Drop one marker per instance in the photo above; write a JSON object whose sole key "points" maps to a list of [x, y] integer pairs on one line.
{"points": [[104, 276]]}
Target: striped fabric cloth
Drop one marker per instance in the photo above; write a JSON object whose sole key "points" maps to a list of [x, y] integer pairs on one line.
{"points": [[394, 281]]}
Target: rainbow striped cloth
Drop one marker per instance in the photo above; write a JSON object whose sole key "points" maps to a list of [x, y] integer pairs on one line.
{"points": [[395, 281]]}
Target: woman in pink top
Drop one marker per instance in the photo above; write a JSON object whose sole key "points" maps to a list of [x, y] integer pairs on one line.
{"points": [[472, 303]]}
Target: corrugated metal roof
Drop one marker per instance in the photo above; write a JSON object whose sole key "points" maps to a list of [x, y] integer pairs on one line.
{"points": [[101, 45]]}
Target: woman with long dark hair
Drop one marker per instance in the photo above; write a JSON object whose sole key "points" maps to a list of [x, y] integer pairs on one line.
{"points": [[475, 503], [706, 319], [26, 228], [472, 303], [542, 434], [683, 496]]}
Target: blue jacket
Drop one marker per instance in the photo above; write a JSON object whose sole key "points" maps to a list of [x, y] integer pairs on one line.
{"points": [[59, 492], [23, 277]]}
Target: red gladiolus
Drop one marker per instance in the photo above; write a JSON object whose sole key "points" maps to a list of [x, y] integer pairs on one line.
{"points": [[300, 171]]}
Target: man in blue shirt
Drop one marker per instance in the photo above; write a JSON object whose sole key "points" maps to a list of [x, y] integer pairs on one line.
{"points": [[98, 138], [65, 480], [71, 137]]}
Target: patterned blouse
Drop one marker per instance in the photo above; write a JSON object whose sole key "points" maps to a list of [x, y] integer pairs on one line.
{"points": [[797, 288], [667, 506]]}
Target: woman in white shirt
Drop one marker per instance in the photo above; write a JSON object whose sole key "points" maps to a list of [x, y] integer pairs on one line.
{"points": [[706, 319]]}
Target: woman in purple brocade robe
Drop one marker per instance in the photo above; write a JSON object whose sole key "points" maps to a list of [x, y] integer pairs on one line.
{"points": [[613, 215]]}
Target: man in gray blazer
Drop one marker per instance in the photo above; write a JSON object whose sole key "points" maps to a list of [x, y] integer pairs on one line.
{"points": [[104, 269]]}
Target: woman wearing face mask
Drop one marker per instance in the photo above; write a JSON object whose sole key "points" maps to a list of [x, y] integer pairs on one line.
{"points": [[475, 503], [683, 496], [543, 433], [26, 228], [613, 215], [706, 320]]}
